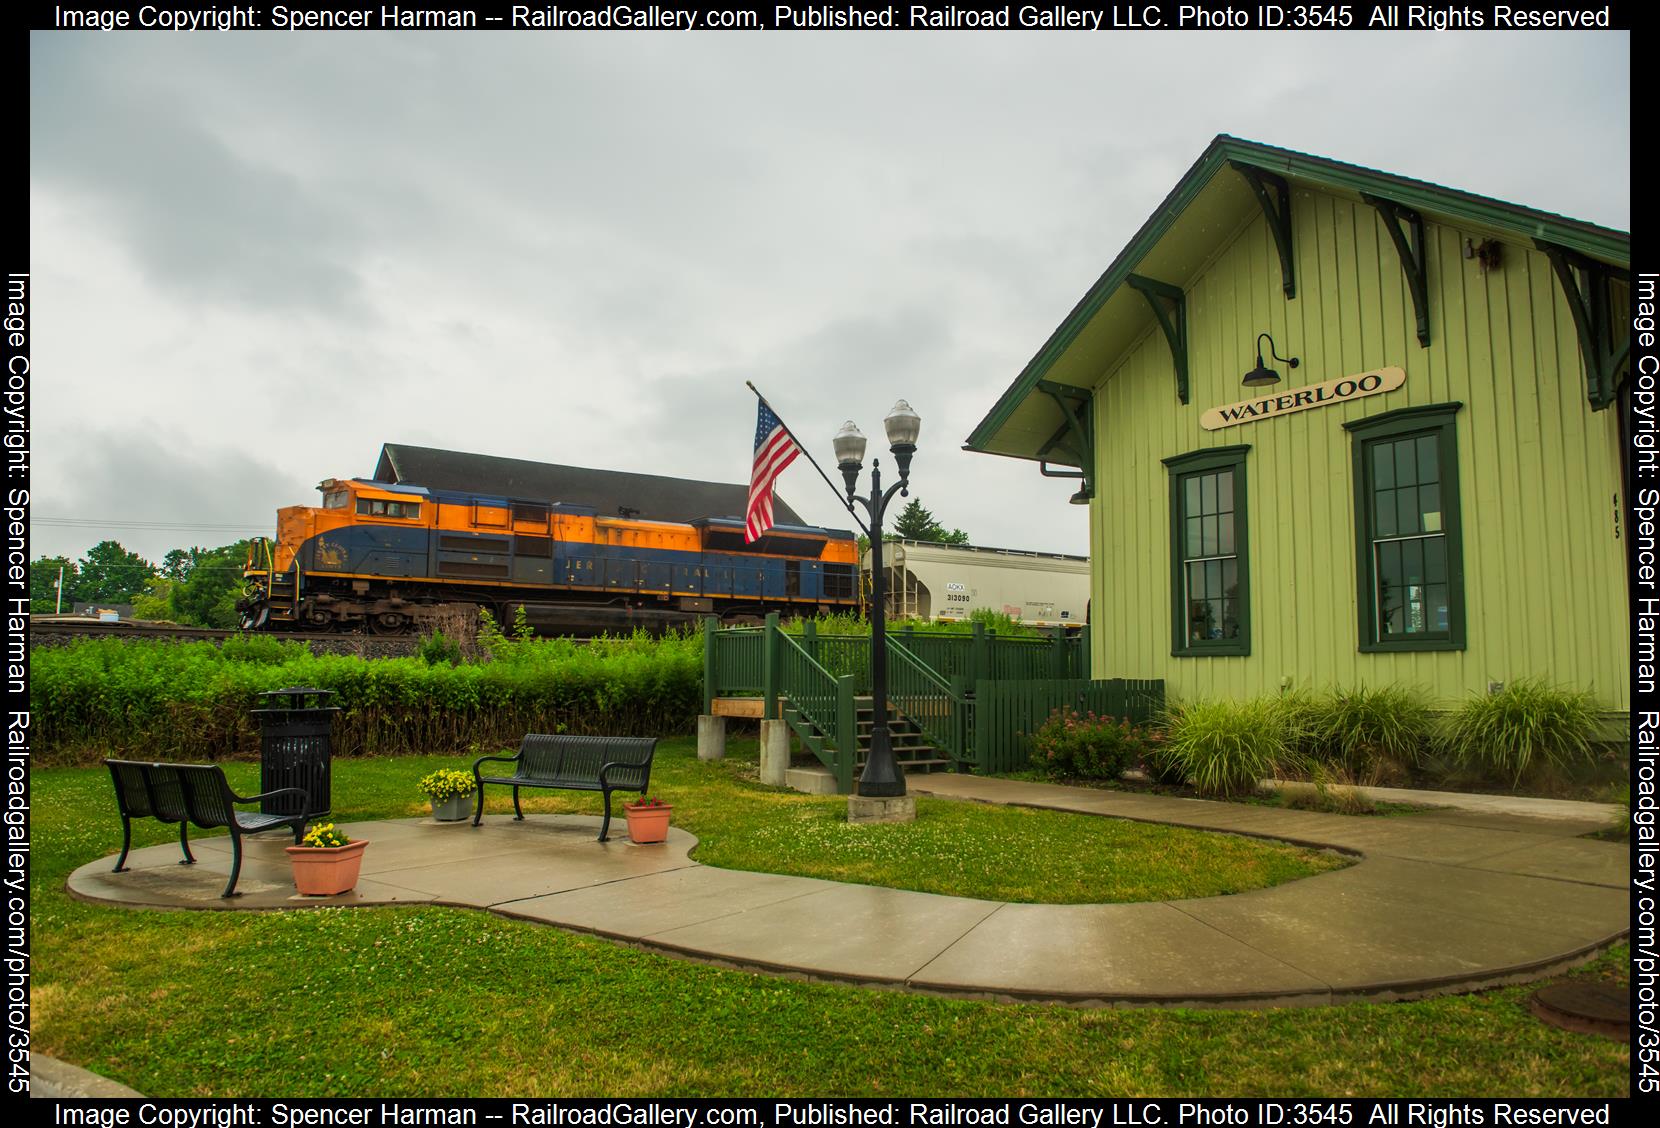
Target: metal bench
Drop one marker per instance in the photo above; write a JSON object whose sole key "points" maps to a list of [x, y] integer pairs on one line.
{"points": [[194, 793], [573, 763]]}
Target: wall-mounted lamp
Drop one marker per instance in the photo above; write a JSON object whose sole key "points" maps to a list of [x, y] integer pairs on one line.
{"points": [[1487, 252], [1262, 375]]}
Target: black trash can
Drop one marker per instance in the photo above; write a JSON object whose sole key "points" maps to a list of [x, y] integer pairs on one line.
{"points": [[295, 749]]}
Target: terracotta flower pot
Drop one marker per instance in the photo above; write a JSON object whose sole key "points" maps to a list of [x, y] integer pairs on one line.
{"points": [[648, 824], [326, 871], [453, 809]]}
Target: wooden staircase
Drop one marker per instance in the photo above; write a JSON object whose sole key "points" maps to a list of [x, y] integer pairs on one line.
{"points": [[911, 747]]}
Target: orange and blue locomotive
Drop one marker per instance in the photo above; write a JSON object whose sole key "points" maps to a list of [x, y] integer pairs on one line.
{"points": [[390, 555]]}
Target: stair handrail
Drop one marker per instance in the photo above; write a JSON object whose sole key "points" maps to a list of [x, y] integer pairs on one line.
{"points": [[950, 732], [821, 704]]}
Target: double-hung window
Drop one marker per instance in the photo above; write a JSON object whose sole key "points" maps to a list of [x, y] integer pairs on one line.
{"points": [[1210, 573], [1408, 540]]}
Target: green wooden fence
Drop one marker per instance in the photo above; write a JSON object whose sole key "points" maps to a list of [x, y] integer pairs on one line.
{"points": [[977, 696], [928, 700], [1008, 712]]}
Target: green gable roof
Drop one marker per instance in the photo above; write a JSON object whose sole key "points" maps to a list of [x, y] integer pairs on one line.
{"points": [[1200, 213]]}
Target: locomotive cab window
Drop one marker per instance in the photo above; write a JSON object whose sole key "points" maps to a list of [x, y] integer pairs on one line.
{"points": [[376, 507], [335, 499]]}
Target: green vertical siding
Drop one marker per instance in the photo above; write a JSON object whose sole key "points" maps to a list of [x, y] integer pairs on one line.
{"points": [[1544, 575]]}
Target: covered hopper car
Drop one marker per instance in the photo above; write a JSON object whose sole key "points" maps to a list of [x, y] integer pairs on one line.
{"points": [[947, 583], [389, 556]]}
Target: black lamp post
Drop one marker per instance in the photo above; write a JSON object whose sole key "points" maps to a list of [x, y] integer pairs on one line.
{"points": [[881, 776]]}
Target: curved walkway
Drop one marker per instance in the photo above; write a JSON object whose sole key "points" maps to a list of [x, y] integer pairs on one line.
{"points": [[1439, 902]]}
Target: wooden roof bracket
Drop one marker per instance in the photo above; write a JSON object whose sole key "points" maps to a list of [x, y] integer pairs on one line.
{"points": [[1590, 305], [1073, 439], [1278, 215], [1414, 263], [1172, 319]]}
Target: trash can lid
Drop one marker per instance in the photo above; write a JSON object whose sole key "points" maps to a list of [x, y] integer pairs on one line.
{"points": [[298, 693]]}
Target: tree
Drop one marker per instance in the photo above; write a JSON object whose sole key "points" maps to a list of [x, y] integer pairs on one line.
{"points": [[207, 596], [111, 574], [178, 562], [155, 602], [43, 584], [917, 523]]}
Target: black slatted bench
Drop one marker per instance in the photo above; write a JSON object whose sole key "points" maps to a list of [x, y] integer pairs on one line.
{"points": [[194, 793], [573, 763]]}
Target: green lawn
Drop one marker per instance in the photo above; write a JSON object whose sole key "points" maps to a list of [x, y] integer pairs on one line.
{"points": [[452, 1002]]}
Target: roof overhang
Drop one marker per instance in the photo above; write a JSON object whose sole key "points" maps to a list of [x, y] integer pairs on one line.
{"points": [[1210, 203]]}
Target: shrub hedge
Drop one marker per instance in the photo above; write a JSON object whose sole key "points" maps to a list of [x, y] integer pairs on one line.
{"points": [[168, 700]]}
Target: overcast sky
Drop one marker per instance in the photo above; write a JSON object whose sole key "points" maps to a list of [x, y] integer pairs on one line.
{"points": [[257, 257]]}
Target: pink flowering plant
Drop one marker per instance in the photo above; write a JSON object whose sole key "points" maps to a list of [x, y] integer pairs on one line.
{"points": [[1091, 746]]}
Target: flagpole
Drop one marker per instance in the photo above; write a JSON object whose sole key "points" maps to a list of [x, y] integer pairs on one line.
{"points": [[802, 447]]}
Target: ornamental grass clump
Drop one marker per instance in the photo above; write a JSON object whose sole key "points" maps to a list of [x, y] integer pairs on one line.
{"points": [[1526, 729], [446, 783], [1372, 735], [1091, 746], [1226, 748]]}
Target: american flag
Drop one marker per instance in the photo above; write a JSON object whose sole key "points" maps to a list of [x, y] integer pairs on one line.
{"points": [[774, 450]]}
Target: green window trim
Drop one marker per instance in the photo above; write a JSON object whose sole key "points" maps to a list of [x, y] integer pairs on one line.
{"points": [[1373, 534], [1196, 465]]}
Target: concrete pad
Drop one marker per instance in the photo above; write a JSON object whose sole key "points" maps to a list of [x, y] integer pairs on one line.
{"points": [[518, 875], [1580, 914], [1566, 860], [848, 931], [1361, 944], [1556, 827], [1142, 952], [811, 781], [51, 1078], [664, 901], [262, 884], [1407, 838]]}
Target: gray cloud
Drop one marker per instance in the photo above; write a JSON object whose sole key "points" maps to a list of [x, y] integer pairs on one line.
{"points": [[258, 257]]}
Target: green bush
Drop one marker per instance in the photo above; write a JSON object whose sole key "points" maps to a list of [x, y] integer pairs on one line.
{"points": [[438, 650], [1526, 729], [1372, 735], [1226, 748], [163, 700], [1090, 746]]}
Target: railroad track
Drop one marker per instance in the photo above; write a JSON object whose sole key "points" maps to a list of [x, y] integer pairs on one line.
{"points": [[80, 627], [53, 630]]}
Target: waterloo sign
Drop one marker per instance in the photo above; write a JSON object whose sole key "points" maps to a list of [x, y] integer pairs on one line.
{"points": [[1341, 390]]}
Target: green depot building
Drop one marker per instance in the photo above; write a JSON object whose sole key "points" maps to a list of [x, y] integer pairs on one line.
{"points": [[1431, 496]]}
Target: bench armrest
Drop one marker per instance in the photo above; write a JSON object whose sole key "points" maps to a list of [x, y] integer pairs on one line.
{"points": [[605, 769], [513, 759], [300, 791]]}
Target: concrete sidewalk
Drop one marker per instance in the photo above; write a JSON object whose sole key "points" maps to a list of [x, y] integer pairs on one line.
{"points": [[1522, 806], [1432, 906]]}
